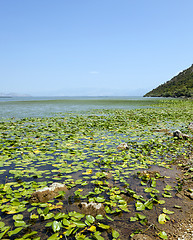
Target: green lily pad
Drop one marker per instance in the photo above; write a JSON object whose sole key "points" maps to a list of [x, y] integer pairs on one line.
{"points": [[167, 211], [56, 226], [163, 235], [90, 218], [162, 218], [139, 206], [15, 231]]}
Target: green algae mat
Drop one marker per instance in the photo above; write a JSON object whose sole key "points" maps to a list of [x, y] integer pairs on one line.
{"points": [[80, 151]]}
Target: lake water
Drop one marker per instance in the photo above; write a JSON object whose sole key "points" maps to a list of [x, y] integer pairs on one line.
{"points": [[22, 107]]}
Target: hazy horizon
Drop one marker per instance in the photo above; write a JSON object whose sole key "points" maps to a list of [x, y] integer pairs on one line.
{"points": [[82, 92]]}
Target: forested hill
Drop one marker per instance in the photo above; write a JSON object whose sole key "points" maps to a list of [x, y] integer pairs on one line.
{"points": [[179, 86]]}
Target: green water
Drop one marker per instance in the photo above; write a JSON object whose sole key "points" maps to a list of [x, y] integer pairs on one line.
{"points": [[22, 107]]}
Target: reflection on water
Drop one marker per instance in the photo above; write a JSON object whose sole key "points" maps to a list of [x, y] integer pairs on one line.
{"points": [[21, 107]]}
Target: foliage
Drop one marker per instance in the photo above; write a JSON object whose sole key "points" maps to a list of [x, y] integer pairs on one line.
{"points": [[179, 86]]}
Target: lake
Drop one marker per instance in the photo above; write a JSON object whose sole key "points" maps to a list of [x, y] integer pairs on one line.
{"points": [[22, 107], [132, 189]]}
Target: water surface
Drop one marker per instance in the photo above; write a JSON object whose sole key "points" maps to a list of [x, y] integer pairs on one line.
{"points": [[22, 107]]}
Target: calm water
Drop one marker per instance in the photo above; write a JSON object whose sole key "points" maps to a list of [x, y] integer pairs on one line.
{"points": [[21, 107]]}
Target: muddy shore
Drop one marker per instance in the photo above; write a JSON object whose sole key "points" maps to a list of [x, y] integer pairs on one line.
{"points": [[180, 227]]}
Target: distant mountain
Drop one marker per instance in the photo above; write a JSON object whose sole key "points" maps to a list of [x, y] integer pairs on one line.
{"points": [[9, 95], [179, 86]]}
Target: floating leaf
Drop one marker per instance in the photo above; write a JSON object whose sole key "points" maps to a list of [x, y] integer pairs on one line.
{"points": [[29, 234], [66, 222], [69, 231], [167, 211], [162, 218], [139, 206], [140, 216], [115, 234], [6, 229], [163, 235], [97, 235], [149, 204], [60, 215], [153, 183], [176, 206], [133, 219], [104, 226], [79, 224], [18, 217], [19, 223], [168, 188], [161, 201], [90, 218], [99, 217], [92, 228], [167, 194], [48, 216], [56, 226], [76, 215], [100, 199], [2, 224], [54, 237], [15, 231], [34, 216]]}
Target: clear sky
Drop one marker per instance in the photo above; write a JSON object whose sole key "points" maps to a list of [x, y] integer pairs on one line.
{"points": [[93, 47]]}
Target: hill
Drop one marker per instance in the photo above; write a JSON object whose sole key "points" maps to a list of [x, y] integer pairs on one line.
{"points": [[179, 86]]}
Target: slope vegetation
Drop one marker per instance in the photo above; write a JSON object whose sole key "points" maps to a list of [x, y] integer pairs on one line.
{"points": [[179, 86]]}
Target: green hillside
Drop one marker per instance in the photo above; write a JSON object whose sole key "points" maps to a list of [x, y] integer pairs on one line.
{"points": [[179, 86]]}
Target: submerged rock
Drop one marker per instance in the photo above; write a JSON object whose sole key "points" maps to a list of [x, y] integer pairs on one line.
{"points": [[92, 208], [189, 193], [123, 146], [147, 175], [190, 126], [161, 130], [141, 237], [48, 193], [179, 135]]}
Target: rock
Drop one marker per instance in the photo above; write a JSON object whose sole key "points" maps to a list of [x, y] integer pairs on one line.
{"points": [[179, 135], [146, 175], [92, 208], [123, 146], [161, 130], [190, 126], [191, 196], [189, 193], [141, 237], [48, 193]]}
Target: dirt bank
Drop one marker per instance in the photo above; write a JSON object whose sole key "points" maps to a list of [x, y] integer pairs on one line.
{"points": [[180, 226]]}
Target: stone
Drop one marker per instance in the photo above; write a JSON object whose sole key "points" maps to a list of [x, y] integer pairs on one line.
{"points": [[179, 135], [161, 130], [190, 126], [47, 193], [141, 237], [191, 196], [92, 208], [123, 146]]}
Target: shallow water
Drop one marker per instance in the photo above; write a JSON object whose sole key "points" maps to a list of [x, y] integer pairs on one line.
{"points": [[80, 150], [22, 107]]}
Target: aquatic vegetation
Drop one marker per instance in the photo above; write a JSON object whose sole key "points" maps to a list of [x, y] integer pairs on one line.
{"points": [[80, 151]]}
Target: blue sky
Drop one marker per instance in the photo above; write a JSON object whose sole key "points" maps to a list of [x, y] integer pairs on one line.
{"points": [[93, 47]]}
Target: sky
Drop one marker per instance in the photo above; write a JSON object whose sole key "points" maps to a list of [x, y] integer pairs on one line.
{"points": [[93, 47]]}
